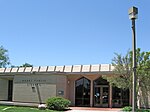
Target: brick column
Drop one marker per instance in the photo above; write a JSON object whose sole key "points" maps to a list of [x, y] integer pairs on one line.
{"points": [[110, 96], [91, 94], [130, 97]]}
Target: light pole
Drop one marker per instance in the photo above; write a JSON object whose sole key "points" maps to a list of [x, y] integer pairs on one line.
{"points": [[133, 11]]}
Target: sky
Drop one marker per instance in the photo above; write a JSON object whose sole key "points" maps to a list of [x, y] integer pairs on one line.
{"points": [[71, 32]]}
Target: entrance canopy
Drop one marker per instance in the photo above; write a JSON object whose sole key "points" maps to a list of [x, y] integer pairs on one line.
{"points": [[69, 69]]}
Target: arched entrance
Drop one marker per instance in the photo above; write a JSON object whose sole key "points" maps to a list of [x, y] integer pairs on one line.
{"points": [[82, 92], [101, 93]]}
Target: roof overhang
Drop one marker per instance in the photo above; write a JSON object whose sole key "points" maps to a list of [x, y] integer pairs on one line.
{"points": [[102, 69]]}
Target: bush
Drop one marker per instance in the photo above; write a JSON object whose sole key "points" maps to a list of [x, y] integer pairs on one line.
{"points": [[57, 103], [127, 108], [143, 110]]}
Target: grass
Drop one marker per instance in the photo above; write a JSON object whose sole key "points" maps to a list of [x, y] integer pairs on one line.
{"points": [[22, 109]]}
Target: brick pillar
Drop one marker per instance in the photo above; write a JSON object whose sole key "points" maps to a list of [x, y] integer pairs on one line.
{"points": [[110, 96], [91, 94]]}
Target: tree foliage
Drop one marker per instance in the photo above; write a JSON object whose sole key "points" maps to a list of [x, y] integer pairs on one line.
{"points": [[26, 65], [122, 77], [23, 65], [4, 59], [143, 68]]}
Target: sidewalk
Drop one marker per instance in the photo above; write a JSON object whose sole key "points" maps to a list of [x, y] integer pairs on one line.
{"points": [[9, 103], [72, 109], [89, 109]]}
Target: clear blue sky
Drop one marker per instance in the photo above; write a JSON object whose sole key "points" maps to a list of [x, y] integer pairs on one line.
{"points": [[69, 32]]}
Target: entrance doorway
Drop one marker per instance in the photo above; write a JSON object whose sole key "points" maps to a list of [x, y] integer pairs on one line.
{"points": [[82, 94], [101, 96], [10, 89], [101, 93]]}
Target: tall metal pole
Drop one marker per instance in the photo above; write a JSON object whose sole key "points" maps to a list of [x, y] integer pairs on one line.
{"points": [[134, 66], [133, 12]]}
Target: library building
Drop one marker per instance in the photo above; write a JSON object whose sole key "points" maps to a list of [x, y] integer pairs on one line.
{"points": [[83, 85]]}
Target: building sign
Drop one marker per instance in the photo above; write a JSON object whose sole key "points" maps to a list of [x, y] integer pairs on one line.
{"points": [[60, 92], [32, 81], [40, 79], [35, 81]]}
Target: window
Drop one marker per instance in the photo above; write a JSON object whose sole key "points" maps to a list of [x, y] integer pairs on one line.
{"points": [[82, 95]]}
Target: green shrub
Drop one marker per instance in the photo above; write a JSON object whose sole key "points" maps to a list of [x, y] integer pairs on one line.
{"points": [[143, 110], [57, 103], [127, 108]]}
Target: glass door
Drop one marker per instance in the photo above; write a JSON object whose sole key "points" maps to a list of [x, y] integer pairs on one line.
{"points": [[82, 94], [105, 96], [101, 96]]}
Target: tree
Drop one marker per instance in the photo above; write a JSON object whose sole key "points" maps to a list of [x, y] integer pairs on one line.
{"points": [[143, 77], [26, 65], [122, 71], [23, 65], [122, 77], [4, 59]]}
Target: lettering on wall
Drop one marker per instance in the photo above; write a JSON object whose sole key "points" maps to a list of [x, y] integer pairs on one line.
{"points": [[32, 81]]}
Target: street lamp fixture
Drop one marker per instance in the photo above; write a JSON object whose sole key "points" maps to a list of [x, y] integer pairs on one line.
{"points": [[133, 14]]}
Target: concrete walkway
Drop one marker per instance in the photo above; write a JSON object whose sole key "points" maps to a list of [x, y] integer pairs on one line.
{"points": [[89, 109], [71, 109], [18, 104], [92, 111]]}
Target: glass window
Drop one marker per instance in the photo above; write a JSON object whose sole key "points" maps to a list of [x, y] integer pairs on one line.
{"points": [[101, 81], [120, 97], [82, 97]]}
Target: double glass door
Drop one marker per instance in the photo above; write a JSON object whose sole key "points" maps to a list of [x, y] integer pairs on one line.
{"points": [[101, 96]]}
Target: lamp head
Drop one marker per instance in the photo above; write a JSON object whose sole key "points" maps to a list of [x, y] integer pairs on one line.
{"points": [[133, 13]]}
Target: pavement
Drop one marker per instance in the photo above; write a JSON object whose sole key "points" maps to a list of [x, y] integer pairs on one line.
{"points": [[93, 109], [71, 109], [18, 104]]}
